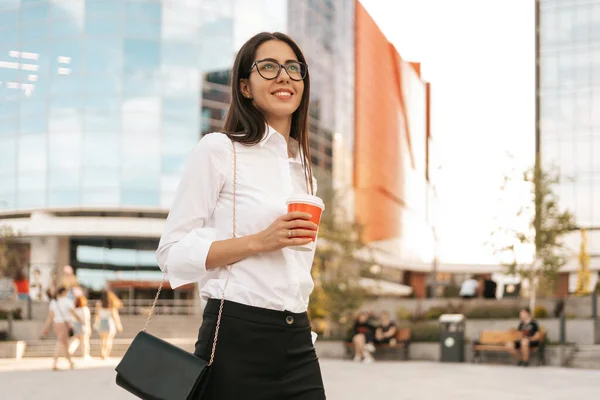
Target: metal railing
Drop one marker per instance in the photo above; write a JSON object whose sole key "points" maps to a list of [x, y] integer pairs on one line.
{"points": [[163, 307]]}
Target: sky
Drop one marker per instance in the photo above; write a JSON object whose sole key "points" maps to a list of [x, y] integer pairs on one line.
{"points": [[479, 56]]}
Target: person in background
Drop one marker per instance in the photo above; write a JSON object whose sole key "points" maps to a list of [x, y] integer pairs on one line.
{"points": [[82, 331], [530, 337], [22, 285], [60, 316], [363, 337], [468, 289], [489, 288], [36, 288], [386, 332], [107, 323]]}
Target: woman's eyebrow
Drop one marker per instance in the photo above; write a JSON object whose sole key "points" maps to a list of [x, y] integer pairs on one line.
{"points": [[274, 59]]}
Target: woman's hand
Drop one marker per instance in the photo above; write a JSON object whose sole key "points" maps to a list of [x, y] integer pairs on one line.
{"points": [[291, 229]]}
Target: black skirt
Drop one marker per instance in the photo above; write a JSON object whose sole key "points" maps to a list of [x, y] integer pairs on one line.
{"points": [[261, 354]]}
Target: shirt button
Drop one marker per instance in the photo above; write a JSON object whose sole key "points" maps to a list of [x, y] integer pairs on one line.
{"points": [[289, 319]]}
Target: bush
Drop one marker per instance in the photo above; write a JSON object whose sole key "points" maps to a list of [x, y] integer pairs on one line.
{"points": [[425, 332], [434, 313], [16, 314], [402, 314], [540, 312], [452, 291], [493, 311]]}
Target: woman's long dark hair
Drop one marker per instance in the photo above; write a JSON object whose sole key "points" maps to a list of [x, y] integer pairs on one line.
{"points": [[245, 123]]}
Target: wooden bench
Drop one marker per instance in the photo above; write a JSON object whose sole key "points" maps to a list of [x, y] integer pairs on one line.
{"points": [[386, 351], [495, 342]]}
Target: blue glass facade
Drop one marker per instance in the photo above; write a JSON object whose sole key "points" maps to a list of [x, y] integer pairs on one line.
{"points": [[570, 112], [99, 100]]}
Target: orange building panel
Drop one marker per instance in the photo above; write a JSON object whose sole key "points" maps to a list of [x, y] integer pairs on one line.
{"points": [[380, 122]]}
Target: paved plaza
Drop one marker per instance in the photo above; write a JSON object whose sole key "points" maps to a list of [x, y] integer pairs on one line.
{"points": [[31, 380]]}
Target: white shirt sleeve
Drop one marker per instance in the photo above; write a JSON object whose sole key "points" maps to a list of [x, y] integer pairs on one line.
{"points": [[186, 240]]}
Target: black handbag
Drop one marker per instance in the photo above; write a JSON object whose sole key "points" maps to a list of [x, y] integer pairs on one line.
{"points": [[153, 369]]}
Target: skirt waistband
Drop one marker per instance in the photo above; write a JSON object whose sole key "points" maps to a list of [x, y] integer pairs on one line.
{"points": [[257, 314]]}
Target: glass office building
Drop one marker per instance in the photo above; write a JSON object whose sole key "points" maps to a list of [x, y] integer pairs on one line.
{"points": [[101, 101], [569, 94]]}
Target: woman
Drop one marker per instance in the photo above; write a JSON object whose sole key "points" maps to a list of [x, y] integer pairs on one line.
{"points": [[107, 323], [82, 331], [60, 316], [264, 349], [362, 339], [386, 332]]}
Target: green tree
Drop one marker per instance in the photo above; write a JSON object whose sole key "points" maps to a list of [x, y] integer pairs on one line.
{"points": [[539, 229], [336, 269], [12, 258]]}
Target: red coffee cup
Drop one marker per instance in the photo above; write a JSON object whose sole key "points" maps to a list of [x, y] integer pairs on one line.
{"points": [[308, 204]]}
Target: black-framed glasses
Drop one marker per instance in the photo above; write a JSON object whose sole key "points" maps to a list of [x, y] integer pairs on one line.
{"points": [[270, 69]]}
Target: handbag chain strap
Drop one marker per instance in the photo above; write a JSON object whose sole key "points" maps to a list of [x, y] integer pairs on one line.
{"points": [[229, 267]]}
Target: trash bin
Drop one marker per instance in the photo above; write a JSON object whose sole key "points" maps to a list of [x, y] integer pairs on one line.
{"points": [[452, 338]]}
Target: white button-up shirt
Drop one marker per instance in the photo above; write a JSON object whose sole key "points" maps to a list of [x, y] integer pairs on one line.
{"points": [[202, 213]]}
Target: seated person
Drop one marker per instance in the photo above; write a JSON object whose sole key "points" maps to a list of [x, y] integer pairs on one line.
{"points": [[530, 331], [386, 332], [362, 339]]}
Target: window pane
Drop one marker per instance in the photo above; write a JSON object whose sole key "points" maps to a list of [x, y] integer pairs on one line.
{"points": [[8, 154], [180, 54], [9, 126], [34, 31], [62, 197], [31, 199], [103, 85], [9, 16], [140, 197], [103, 26], [65, 151], [32, 181], [141, 54], [8, 185], [35, 12], [32, 153], [96, 179], [141, 152], [102, 114], [104, 8], [64, 179], [65, 115], [34, 117], [142, 29], [144, 9], [106, 57], [102, 197], [101, 150], [73, 10]]}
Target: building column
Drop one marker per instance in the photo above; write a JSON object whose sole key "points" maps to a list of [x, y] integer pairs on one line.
{"points": [[561, 286], [49, 254]]}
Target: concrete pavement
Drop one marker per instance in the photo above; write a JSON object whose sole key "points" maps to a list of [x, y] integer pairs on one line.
{"points": [[30, 379]]}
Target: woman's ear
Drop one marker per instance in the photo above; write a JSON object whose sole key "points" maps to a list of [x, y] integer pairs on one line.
{"points": [[245, 88]]}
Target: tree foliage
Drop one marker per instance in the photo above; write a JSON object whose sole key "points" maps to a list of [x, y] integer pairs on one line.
{"points": [[541, 234], [336, 269], [12, 257]]}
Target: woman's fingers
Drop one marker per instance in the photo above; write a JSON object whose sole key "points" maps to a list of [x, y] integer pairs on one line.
{"points": [[301, 233], [301, 224], [296, 215]]}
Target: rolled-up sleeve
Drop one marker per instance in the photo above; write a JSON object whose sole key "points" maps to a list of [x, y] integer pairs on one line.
{"points": [[186, 239]]}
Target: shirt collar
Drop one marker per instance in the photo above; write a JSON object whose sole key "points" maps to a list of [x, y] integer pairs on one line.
{"points": [[269, 132]]}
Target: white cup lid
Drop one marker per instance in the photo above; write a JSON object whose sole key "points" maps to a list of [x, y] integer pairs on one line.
{"points": [[307, 199]]}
